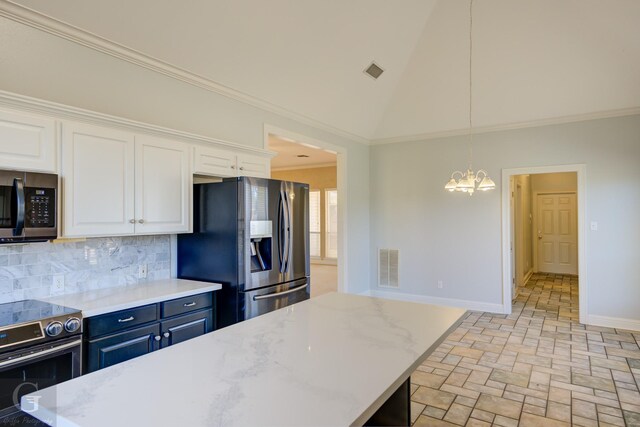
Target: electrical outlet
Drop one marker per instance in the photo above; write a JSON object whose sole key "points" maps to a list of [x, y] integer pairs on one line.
{"points": [[58, 283], [440, 285], [142, 271]]}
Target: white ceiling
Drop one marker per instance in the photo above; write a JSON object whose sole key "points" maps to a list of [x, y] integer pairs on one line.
{"points": [[288, 152], [533, 59]]}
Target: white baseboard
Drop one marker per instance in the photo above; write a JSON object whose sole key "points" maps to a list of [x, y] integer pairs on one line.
{"points": [[426, 299], [527, 277], [613, 322], [324, 261]]}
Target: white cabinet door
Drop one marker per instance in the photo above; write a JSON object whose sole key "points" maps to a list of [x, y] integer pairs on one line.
{"points": [[27, 142], [97, 180], [163, 186], [256, 166], [215, 162]]}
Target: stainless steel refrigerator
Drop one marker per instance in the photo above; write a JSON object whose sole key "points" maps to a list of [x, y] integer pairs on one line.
{"points": [[252, 236]]}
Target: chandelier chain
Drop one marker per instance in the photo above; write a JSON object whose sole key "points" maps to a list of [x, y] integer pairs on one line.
{"points": [[470, 181], [470, 83]]}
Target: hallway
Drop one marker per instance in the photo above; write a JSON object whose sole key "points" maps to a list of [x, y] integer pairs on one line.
{"points": [[535, 367]]}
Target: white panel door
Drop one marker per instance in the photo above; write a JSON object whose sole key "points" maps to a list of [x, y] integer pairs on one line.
{"points": [[98, 181], [214, 162], [27, 142], [557, 233], [163, 186], [256, 166]]}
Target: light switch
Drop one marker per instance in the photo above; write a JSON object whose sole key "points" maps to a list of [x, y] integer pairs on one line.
{"points": [[594, 226]]}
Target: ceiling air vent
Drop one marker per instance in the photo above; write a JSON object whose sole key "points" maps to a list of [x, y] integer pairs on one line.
{"points": [[374, 70], [388, 268]]}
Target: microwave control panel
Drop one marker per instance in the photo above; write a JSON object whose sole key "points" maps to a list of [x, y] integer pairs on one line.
{"points": [[40, 207]]}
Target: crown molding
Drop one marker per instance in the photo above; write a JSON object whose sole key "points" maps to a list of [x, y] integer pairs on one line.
{"points": [[510, 126], [304, 167], [37, 20], [24, 103]]}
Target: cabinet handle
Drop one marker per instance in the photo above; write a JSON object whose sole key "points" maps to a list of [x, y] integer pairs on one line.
{"points": [[189, 304], [157, 338], [241, 168], [132, 221], [141, 221], [233, 167], [166, 334], [128, 319]]}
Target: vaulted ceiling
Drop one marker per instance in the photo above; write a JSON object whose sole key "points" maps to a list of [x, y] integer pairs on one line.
{"points": [[533, 59]]}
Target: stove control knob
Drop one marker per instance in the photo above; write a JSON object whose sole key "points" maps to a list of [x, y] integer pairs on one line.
{"points": [[72, 324], [54, 329]]}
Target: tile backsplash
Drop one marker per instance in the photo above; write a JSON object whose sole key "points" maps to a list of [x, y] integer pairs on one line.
{"points": [[27, 271]]}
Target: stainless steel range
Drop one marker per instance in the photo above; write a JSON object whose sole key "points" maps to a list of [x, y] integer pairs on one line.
{"points": [[40, 346]]}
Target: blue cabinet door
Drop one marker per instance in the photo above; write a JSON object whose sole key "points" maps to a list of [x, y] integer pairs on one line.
{"points": [[185, 327], [117, 348]]}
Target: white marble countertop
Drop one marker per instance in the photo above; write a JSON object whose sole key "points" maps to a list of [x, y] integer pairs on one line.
{"points": [[100, 301], [328, 361]]}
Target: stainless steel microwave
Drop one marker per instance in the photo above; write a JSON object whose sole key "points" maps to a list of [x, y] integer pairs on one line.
{"points": [[28, 207]]}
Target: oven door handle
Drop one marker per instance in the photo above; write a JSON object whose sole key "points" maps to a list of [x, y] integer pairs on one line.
{"points": [[8, 363], [279, 294], [18, 186]]}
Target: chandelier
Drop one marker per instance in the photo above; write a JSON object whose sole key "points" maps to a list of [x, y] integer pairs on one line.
{"points": [[470, 181]]}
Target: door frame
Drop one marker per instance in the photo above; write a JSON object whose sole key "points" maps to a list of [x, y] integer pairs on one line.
{"points": [[343, 200], [512, 229], [581, 202], [534, 208]]}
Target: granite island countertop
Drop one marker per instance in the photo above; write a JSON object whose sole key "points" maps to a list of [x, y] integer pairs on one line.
{"points": [[107, 300], [330, 360]]}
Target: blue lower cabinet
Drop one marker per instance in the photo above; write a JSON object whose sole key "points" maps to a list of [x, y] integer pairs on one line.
{"points": [[119, 336], [117, 348], [185, 327]]}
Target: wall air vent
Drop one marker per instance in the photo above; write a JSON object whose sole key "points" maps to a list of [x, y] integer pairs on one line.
{"points": [[374, 71], [388, 268]]}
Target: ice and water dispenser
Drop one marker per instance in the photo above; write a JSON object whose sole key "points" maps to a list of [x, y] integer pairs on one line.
{"points": [[261, 235], [260, 229]]}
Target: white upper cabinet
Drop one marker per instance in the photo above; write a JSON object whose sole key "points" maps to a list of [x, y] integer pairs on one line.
{"points": [[116, 183], [163, 186], [257, 166], [27, 142], [97, 181], [211, 161], [226, 163]]}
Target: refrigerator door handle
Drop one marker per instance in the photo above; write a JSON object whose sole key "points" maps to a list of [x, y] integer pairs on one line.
{"points": [[279, 294], [289, 231], [282, 232]]}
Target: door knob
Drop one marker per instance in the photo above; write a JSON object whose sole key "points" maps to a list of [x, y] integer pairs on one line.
{"points": [[166, 334], [157, 338], [141, 221], [132, 221]]}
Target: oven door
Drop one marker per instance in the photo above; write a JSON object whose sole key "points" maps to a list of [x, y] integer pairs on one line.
{"points": [[35, 368]]}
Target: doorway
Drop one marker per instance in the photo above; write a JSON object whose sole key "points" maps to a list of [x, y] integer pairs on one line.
{"points": [[543, 239], [311, 164]]}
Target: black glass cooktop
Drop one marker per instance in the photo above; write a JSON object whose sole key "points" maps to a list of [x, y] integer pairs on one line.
{"points": [[14, 313]]}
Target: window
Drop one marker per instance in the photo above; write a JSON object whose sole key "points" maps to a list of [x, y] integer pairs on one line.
{"points": [[314, 223], [331, 219]]}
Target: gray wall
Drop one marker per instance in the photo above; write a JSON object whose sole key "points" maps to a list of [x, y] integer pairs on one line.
{"points": [[457, 239], [41, 65]]}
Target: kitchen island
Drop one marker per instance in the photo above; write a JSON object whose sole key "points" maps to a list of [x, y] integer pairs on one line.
{"points": [[330, 360]]}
